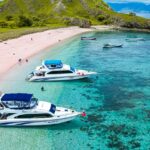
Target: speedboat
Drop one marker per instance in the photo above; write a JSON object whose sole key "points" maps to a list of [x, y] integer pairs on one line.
{"points": [[134, 39], [55, 70], [88, 38], [112, 45], [22, 109]]}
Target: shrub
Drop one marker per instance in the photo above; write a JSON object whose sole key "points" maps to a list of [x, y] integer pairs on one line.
{"points": [[12, 25], [107, 22], [34, 18], [39, 23], [24, 21], [9, 17], [101, 18], [132, 14], [67, 21], [3, 24]]}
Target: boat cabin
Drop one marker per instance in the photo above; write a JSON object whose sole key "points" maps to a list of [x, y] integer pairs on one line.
{"points": [[18, 101]]}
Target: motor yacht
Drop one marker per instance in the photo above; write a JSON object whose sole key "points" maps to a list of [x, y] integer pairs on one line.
{"points": [[22, 109], [55, 70]]}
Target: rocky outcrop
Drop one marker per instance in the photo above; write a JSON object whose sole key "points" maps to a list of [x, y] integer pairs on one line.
{"points": [[59, 7], [134, 24], [83, 23]]}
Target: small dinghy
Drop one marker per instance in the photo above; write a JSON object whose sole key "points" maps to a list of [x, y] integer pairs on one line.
{"points": [[112, 45], [88, 38], [134, 39]]}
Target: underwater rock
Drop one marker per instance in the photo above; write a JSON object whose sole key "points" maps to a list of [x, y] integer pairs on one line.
{"points": [[90, 133], [95, 118], [88, 86], [117, 106], [88, 91], [132, 116], [148, 113], [122, 129], [87, 96], [85, 128], [70, 131], [58, 133], [115, 142], [135, 144]]}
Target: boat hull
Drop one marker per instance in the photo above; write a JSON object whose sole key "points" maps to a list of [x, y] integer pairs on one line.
{"points": [[88, 38], [33, 122], [113, 46], [59, 78]]}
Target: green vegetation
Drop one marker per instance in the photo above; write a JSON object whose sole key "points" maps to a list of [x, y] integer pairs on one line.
{"points": [[7, 33], [23, 16]]}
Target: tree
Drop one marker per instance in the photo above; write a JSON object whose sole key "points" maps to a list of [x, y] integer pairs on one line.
{"points": [[24, 21]]}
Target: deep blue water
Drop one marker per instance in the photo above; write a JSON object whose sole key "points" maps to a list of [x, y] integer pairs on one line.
{"points": [[117, 100], [140, 8]]}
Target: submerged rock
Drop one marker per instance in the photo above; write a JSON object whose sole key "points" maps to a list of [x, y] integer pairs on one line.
{"points": [[95, 118], [134, 144], [115, 142]]}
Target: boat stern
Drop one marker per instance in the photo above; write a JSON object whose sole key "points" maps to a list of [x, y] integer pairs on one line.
{"points": [[85, 73]]}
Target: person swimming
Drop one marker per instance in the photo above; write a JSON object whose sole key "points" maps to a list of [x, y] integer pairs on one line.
{"points": [[42, 88]]}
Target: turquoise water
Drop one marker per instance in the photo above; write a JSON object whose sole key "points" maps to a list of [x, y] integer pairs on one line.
{"points": [[117, 100]]}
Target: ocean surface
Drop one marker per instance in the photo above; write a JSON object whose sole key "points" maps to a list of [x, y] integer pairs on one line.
{"points": [[140, 7], [116, 100]]}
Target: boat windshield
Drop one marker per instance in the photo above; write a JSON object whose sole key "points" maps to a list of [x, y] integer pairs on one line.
{"points": [[1, 106], [72, 69]]}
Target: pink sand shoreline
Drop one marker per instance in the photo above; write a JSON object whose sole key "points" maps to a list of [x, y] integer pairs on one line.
{"points": [[29, 45]]}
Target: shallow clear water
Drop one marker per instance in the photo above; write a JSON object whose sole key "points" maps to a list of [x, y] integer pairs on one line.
{"points": [[117, 100]]}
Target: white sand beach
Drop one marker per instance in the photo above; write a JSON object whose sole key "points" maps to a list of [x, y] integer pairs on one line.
{"points": [[28, 45]]}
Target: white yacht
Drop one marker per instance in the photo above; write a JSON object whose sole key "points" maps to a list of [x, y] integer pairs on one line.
{"points": [[55, 70], [21, 109]]}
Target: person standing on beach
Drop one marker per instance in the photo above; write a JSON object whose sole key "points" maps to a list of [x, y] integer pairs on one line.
{"points": [[19, 60]]}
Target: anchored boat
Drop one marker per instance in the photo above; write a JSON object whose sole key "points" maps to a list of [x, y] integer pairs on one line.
{"points": [[88, 38], [134, 39], [55, 70], [22, 109], [112, 45]]}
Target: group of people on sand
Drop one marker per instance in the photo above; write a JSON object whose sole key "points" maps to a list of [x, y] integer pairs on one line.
{"points": [[26, 60], [20, 60]]}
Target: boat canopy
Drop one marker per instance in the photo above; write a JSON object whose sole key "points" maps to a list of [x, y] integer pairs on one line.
{"points": [[17, 97], [52, 63]]}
